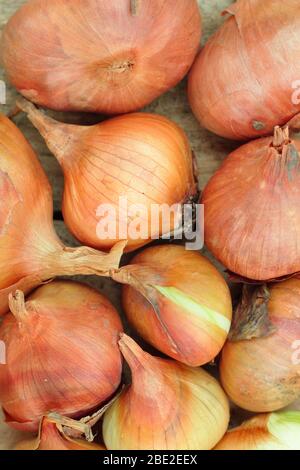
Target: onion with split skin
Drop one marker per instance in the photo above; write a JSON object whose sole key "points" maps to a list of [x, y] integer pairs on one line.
{"points": [[178, 302], [100, 56], [30, 251], [168, 406], [61, 353], [142, 159], [260, 368], [252, 218], [246, 80], [274, 431]]}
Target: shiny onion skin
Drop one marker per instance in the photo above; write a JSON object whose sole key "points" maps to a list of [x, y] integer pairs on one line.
{"points": [[252, 218], [275, 431], [73, 363], [168, 406], [99, 56], [54, 436], [30, 251], [246, 79], [145, 159], [178, 302], [260, 370]]}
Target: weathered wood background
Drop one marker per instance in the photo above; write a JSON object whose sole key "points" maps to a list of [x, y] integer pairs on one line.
{"points": [[209, 149]]}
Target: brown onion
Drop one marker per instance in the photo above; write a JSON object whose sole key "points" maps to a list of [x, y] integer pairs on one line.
{"points": [[100, 56], [145, 159], [168, 406], [252, 218], [246, 80], [61, 353], [274, 431], [56, 433], [30, 250], [178, 302], [260, 370]]}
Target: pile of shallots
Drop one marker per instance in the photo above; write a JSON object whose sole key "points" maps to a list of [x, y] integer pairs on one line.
{"points": [[63, 342]]}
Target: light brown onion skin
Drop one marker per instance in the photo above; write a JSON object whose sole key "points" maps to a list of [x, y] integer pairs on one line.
{"points": [[96, 56], [50, 438], [23, 185], [241, 84], [63, 357], [142, 159], [252, 218], [251, 435], [259, 374], [176, 331]]}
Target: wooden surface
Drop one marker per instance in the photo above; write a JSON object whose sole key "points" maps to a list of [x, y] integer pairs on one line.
{"points": [[209, 149]]}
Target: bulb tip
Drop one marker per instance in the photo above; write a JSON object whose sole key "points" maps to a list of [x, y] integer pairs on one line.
{"points": [[17, 306], [132, 352], [281, 136], [16, 297], [124, 340], [24, 105]]}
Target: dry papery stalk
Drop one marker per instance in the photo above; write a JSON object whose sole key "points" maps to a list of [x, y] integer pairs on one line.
{"points": [[57, 432], [91, 421], [281, 136], [68, 261], [135, 5], [251, 318]]}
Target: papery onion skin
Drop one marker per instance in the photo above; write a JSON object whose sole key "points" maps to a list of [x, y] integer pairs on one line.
{"points": [[252, 218], [260, 374], [73, 363], [187, 331], [172, 406], [144, 159], [246, 79], [19, 167], [52, 438], [30, 250], [98, 56], [276, 431]]}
